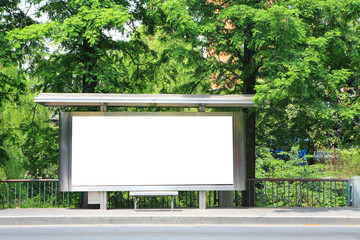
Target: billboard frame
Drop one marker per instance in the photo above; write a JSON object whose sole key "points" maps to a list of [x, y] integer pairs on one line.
{"points": [[239, 154]]}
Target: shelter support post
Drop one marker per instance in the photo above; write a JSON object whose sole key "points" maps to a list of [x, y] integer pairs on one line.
{"points": [[248, 199], [103, 195], [103, 108], [103, 200], [355, 191], [202, 199], [202, 194], [94, 199]]}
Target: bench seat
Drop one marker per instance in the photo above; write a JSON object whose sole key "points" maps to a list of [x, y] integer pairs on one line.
{"points": [[137, 194]]}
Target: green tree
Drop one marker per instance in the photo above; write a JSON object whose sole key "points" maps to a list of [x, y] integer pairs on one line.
{"points": [[19, 116], [296, 56], [86, 46], [11, 80], [305, 95], [28, 138]]}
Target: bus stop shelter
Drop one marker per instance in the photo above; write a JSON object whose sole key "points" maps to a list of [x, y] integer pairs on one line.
{"points": [[201, 102]]}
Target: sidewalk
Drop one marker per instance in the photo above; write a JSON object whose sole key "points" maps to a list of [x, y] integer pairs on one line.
{"points": [[53, 216]]}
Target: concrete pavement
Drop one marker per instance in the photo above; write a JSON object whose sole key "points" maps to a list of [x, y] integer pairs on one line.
{"points": [[53, 216]]}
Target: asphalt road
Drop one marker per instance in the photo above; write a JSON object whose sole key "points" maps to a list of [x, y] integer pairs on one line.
{"points": [[181, 232]]}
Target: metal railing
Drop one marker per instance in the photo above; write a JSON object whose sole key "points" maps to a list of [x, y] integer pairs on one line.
{"points": [[300, 192], [44, 193], [35, 193]]}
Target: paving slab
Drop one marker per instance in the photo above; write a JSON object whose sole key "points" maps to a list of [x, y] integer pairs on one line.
{"points": [[55, 216]]}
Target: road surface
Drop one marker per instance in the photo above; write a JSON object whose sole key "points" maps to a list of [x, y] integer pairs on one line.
{"points": [[179, 232]]}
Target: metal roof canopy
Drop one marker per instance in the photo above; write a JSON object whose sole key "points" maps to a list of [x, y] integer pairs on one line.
{"points": [[144, 100]]}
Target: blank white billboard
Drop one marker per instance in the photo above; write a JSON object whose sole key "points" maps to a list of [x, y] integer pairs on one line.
{"points": [[159, 150]]}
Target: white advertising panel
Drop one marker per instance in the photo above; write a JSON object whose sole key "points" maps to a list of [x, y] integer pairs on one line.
{"points": [[152, 150]]}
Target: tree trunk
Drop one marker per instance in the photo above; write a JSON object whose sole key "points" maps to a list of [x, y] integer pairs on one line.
{"points": [[248, 196], [89, 57], [250, 71]]}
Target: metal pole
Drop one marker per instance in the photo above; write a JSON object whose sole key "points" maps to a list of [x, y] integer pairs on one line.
{"points": [[261, 193], [103, 195], [343, 194], [20, 194], [8, 200], [3, 199], [296, 200], [335, 194], [202, 199], [15, 195], [330, 193], [44, 194], [272, 193], [32, 194], [27, 194], [103, 200], [52, 193], [202, 194], [56, 192], [39, 194], [289, 199], [265, 194], [103, 108], [277, 194], [284, 193], [312, 195], [307, 192], [323, 193]]}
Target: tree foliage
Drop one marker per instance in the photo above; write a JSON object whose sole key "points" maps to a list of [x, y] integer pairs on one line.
{"points": [[306, 91], [11, 81], [299, 58], [28, 139], [296, 56], [85, 56]]}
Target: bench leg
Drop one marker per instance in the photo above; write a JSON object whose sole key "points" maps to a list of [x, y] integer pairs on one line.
{"points": [[135, 203]]}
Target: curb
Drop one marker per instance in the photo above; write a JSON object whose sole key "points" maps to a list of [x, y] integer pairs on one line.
{"points": [[197, 220]]}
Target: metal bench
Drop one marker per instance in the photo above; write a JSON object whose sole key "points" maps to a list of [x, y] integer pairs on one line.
{"points": [[154, 194]]}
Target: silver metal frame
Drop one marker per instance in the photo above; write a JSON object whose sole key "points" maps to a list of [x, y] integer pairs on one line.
{"points": [[144, 100], [239, 148]]}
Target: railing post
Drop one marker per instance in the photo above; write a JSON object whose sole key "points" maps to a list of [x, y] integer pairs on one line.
{"points": [[3, 199], [348, 194]]}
